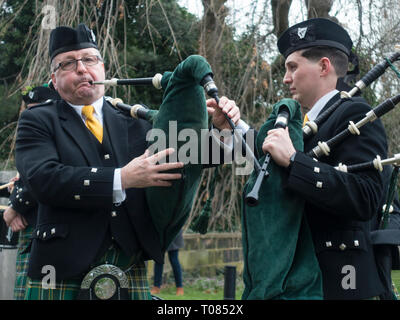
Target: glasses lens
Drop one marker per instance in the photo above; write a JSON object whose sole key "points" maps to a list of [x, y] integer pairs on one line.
{"points": [[90, 60], [67, 65], [72, 64]]}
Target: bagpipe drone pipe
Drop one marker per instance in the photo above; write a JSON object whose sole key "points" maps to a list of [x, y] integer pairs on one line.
{"points": [[324, 147], [311, 127], [279, 257]]}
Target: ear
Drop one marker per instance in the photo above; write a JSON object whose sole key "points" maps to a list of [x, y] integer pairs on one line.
{"points": [[53, 80], [104, 69], [325, 66]]}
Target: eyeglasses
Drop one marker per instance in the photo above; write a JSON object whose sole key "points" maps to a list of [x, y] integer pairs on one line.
{"points": [[72, 64]]}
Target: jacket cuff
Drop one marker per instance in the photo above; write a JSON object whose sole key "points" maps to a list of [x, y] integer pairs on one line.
{"points": [[306, 173]]}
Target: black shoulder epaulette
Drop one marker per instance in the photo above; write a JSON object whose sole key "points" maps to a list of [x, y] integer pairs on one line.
{"points": [[46, 103]]}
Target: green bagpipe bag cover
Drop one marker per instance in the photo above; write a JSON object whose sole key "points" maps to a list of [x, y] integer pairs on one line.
{"points": [[279, 257], [183, 107]]}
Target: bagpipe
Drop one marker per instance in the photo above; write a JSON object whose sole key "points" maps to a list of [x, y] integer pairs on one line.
{"points": [[376, 163], [155, 81], [324, 148], [311, 127], [278, 251], [183, 103], [141, 111], [281, 121]]}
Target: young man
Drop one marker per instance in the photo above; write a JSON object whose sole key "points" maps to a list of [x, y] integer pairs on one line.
{"points": [[76, 157], [339, 206]]}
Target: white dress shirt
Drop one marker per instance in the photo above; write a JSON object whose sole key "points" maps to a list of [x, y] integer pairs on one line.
{"points": [[119, 195], [320, 104]]}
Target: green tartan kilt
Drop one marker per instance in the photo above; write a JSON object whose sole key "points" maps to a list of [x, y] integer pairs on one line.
{"points": [[69, 289], [22, 263]]}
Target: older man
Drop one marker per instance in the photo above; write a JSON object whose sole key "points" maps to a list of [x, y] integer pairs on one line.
{"points": [[86, 165]]}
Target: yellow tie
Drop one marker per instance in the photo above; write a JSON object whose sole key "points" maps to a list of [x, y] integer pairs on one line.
{"points": [[92, 123], [305, 120]]}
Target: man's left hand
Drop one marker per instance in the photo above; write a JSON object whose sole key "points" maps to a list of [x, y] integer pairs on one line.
{"points": [[217, 112], [14, 220]]}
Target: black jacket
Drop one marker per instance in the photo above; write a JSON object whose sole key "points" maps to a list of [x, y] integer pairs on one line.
{"points": [[71, 175], [340, 207]]}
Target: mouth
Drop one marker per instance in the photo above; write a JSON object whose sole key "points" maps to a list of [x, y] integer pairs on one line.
{"points": [[85, 83]]}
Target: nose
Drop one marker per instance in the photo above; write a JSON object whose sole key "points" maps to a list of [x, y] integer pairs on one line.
{"points": [[80, 67], [287, 78]]}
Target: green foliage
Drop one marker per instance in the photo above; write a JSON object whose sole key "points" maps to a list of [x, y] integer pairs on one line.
{"points": [[9, 107], [8, 116], [150, 44], [16, 25], [366, 63], [13, 36]]}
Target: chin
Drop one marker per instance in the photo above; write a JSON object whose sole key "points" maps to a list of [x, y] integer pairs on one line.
{"points": [[296, 97], [89, 95]]}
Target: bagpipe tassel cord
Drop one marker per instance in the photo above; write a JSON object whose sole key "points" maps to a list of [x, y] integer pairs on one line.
{"points": [[200, 224]]}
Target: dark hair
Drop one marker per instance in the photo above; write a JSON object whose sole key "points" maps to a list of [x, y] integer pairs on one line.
{"points": [[338, 58]]}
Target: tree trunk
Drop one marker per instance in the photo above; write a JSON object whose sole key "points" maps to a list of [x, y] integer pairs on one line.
{"points": [[280, 15], [213, 26], [319, 9]]}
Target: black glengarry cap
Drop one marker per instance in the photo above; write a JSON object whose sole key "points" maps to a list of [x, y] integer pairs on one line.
{"points": [[312, 33], [64, 39]]}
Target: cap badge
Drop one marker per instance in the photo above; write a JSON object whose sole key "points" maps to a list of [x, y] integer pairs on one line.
{"points": [[301, 32]]}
